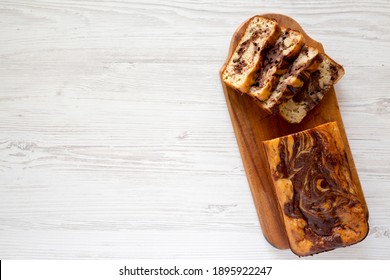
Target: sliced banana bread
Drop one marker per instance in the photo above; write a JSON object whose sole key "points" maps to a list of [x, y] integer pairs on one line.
{"points": [[319, 83], [240, 71], [292, 82], [276, 62]]}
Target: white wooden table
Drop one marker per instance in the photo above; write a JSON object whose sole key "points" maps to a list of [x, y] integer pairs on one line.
{"points": [[115, 139]]}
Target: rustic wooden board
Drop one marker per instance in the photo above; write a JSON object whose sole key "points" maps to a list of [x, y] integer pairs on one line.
{"points": [[252, 126]]}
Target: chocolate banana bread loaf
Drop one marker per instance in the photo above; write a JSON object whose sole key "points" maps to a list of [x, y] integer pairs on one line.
{"points": [[321, 206]]}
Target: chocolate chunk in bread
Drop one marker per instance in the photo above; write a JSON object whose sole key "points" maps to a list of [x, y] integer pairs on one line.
{"points": [[320, 204], [319, 83], [260, 34], [276, 62], [292, 82]]}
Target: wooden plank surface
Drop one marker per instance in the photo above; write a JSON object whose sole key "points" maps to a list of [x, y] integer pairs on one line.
{"points": [[116, 142]]}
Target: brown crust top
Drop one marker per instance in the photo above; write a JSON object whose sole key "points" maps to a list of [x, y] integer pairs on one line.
{"points": [[320, 204]]}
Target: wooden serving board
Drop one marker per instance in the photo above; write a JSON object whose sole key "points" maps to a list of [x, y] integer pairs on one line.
{"points": [[252, 126]]}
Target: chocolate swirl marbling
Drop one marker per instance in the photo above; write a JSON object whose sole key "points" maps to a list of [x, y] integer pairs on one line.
{"points": [[319, 202]]}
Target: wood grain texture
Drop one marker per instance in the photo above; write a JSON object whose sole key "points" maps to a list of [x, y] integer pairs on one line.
{"points": [[252, 126], [110, 148]]}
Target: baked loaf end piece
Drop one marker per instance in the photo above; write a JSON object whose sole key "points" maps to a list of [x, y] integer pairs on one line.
{"points": [[319, 83], [260, 34], [293, 81], [320, 204], [276, 62]]}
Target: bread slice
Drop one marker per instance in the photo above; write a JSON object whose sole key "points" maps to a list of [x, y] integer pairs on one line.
{"points": [[260, 34], [276, 63], [328, 73], [318, 200], [292, 82]]}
